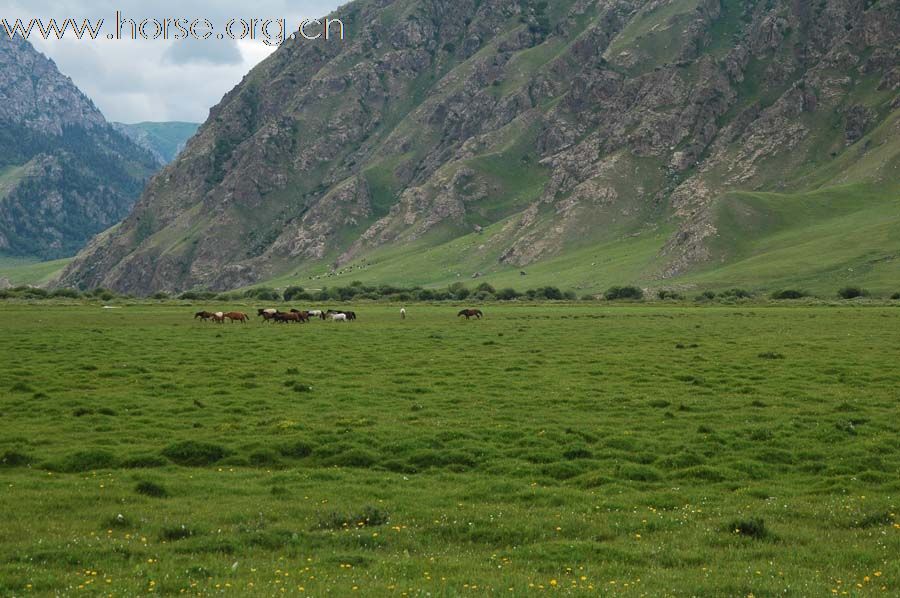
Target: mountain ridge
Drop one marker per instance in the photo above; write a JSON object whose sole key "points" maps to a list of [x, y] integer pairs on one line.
{"points": [[65, 173], [532, 129]]}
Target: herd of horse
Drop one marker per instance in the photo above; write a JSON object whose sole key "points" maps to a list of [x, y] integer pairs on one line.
{"points": [[274, 315], [302, 317]]}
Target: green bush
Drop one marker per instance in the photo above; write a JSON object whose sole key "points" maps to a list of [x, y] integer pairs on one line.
{"points": [[485, 288], [895, 296], [296, 294], [627, 292], [197, 296], [852, 293], [789, 294], [669, 295], [65, 294], [508, 294], [736, 294]]}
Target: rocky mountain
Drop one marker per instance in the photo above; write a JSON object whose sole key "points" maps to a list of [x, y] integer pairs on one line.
{"points": [[610, 139], [65, 173], [162, 139]]}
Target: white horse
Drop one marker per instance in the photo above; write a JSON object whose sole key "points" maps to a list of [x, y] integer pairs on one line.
{"points": [[339, 317], [316, 313], [402, 313]]}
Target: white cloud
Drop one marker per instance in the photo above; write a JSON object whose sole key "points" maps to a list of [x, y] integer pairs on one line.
{"points": [[161, 80]]}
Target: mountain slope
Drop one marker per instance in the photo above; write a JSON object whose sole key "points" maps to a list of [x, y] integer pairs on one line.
{"points": [[162, 139], [446, 138], [65, 174]]}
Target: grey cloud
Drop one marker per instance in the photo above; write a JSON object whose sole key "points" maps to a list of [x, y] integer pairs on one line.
{"points": [[210, 51]]}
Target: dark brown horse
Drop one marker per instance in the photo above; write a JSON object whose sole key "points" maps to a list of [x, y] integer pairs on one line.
{"points": [[204, 315], [267, 314], [471, 313], [236, 316]]}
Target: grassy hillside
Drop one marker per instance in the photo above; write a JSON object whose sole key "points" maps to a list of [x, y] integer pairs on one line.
{"points": [[21, 271], [588, 144], [581, 450]]}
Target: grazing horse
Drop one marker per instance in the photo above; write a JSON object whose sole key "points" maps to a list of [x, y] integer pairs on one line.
{"points": [[335, 317], [304, 315], [402, 313], [218, 317], [236, 316], [471, 313], [203, 315]]}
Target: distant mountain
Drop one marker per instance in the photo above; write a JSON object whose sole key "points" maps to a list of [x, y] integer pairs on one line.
{"points": [[585, 142], [164, 140], [65, 173]]}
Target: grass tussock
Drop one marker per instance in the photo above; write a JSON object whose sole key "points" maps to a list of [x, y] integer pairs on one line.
{"points": [[192, 453], [151, 489]]}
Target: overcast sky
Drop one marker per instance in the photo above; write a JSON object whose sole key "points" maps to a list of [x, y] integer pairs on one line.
{"points": [[134, 81]]}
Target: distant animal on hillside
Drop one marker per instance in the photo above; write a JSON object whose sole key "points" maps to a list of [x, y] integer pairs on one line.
{"points": [[471, 313], [236, 316], [203, 315], [402, 313]]}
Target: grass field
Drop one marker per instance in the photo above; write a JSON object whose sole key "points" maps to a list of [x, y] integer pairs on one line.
{"points": [[634, 451]]}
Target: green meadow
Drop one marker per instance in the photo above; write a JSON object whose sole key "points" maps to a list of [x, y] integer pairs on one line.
{"points": [[574, 449]]}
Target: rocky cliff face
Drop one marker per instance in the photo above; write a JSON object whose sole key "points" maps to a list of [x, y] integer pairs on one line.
{"points": [[65, 174], [549, 125]]}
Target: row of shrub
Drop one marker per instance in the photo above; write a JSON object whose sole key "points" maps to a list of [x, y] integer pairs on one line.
{"points": [[25, 292], [455, 292]]}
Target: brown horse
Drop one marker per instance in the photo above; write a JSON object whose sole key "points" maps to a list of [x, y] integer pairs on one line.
{"points": [[236, 316], [203, 315], [304, 315], [471, 313], [267, 314], [285, 318]]}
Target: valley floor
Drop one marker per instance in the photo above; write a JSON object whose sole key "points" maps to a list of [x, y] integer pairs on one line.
{"points": [[634, 451]]}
